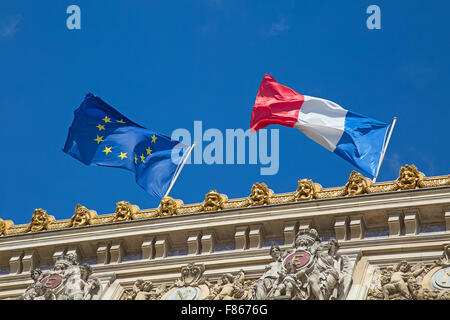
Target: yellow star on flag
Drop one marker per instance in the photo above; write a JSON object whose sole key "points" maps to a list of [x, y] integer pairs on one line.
{"points": [[135, 159], [99, 139], [154, 139], [142, 158], [149, 151], [122, 155], [107, 150], [120, 121], [101, 127], [106, 119]]}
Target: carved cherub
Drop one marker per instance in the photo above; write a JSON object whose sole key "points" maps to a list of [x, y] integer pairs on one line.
{"points": [[144, 293], [260, 194], [213, 201], [290, 282], [399, 278]]}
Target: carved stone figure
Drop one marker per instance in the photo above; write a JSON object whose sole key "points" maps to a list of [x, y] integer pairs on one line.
{"points": [[169, 207], [357, 184], [444, 261], [263, 287], [311, 270], [39, 221], [125, 211], [306, 190], [213, 201], [144, 290], [229, 287], [409, 178], [399, 280], [404, 281], [67, 280], [81, 217], [260, 194]]}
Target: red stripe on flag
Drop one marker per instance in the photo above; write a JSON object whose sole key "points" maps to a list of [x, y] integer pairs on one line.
{"points": [[275, 104]]}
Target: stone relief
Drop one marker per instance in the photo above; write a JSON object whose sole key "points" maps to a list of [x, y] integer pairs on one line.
{"points": [[68, 280], [311, 270], [231, 287], [405, 281], [192, 285]]}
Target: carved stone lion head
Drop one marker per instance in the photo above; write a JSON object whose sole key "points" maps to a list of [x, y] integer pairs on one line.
{"points": [[260, 194], [39, 220], [213, 201], [409, 178], [81, 217], [357, 184], [125, 211], [169, 207], [306, 190]]}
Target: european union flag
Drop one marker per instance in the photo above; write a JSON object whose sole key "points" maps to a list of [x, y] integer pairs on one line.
{"points": [[102, 136]]}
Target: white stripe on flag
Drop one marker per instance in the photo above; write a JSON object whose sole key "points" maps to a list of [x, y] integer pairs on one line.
{"points": [[322, 121]]}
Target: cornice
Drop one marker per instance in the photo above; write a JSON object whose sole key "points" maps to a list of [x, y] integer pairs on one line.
{"points": [[357, 193]]}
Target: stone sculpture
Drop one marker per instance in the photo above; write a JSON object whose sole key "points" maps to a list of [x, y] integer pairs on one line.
{"points": [[66, 281], [311, 270], [419, 281]]}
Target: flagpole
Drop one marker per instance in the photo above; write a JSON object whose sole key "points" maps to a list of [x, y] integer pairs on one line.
{"points": [[384, 149], [179, 170]]}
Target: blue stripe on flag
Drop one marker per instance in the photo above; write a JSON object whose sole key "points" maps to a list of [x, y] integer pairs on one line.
{"points": [[362, 142]]}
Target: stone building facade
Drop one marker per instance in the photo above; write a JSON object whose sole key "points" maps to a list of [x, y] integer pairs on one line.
{"points": [[361, 241]]}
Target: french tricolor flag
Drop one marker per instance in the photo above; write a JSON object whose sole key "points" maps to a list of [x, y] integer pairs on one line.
{"points": [[358, 139]]}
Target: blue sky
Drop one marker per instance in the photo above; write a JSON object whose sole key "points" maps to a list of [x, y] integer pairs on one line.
{"points": [[167, 64]]}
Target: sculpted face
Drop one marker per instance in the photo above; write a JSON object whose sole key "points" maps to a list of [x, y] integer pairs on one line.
{"points": [[305, 190], [123, 211], [260, 194], [39, 220], [275, 252], [303, 241], [408, 177], [356, 184], [168, 207], [404, 266], [82, 216], [213, 201]]}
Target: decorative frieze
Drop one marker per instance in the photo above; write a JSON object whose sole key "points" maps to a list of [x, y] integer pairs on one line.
{"points": [[357, 185]]}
